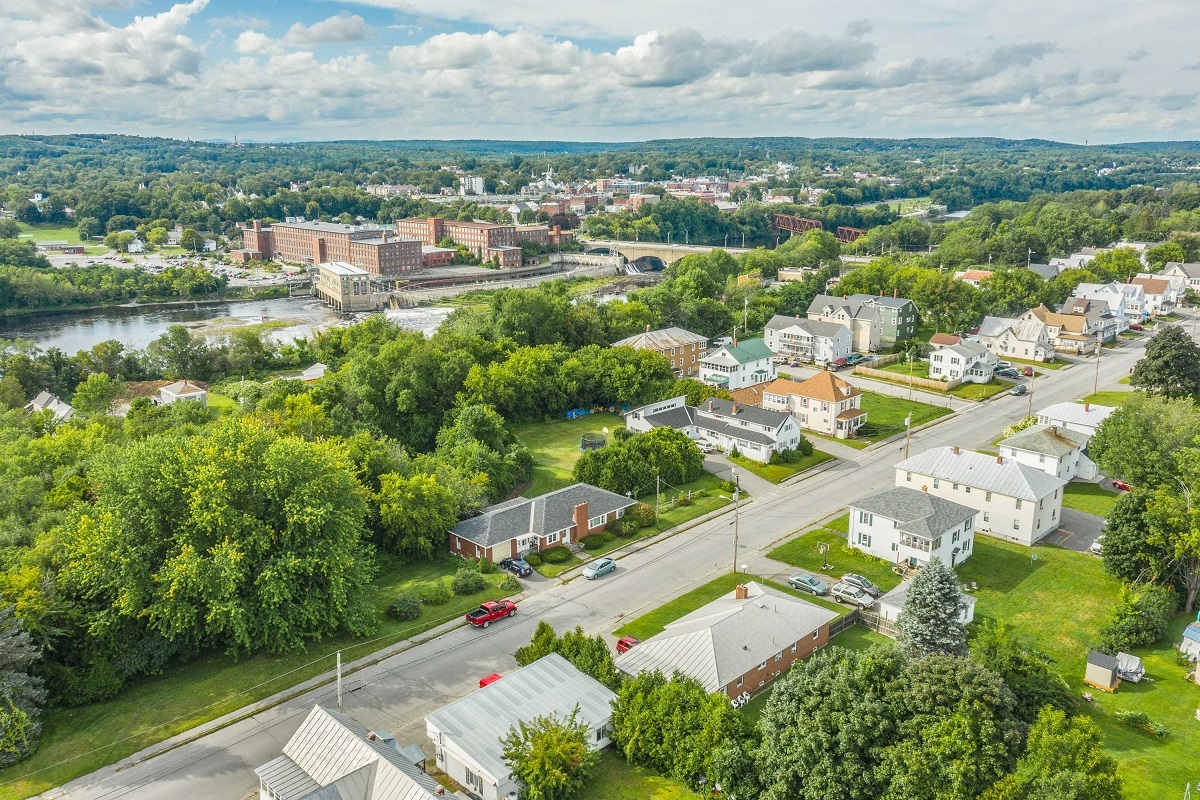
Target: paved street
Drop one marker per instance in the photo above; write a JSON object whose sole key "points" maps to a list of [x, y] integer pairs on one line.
{"points": [[396, 693]]}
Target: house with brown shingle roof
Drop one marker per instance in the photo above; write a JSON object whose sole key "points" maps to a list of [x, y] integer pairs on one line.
{"points": [[1160, 295], [1068, 333], [824, 403], [940, 340]]}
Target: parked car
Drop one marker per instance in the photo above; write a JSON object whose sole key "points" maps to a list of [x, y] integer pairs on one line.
{"points": [[1136, 327], [601, 566], [1122, 485], [862, 583], [854, 358], [845, 593], [1027, 372], [807, 583], [1097, 545], [836, 364], [517, 566], [489, 612], [1004, 364], [489, 679], [1009, 373], [706, 447], [627, 643], [1019, 390]]}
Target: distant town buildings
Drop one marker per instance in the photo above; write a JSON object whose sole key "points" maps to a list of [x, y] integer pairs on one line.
{"points": [[378, 251]]}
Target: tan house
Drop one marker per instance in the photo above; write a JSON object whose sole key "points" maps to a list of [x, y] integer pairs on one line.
{"points": [[1013, 338], [824, 403], [682, 347], [1068, 333]]}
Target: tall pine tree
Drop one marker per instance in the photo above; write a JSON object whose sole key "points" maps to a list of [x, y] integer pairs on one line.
{"points": [[929, 623], [21, 694]]}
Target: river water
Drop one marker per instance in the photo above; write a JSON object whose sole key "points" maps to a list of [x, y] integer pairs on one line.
{"points": [[291, 317]]}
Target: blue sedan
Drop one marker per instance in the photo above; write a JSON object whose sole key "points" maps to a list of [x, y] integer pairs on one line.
{"points": [[517, 566], [601, 566], [807, 583]]}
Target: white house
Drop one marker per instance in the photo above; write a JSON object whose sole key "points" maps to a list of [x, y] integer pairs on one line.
{"points": [[892, 604], [903, 524], [1135, 301], [1015, 338], [1159, 294], [1053, 450], [467, 733], [738, 365], [864, 321], [757, 433], [1082, 418], [1015, 502], [182, 390], [332, 756], [975, 277], [1113, 295], [807, 339], [969, 362], [48, 402], [1189, 272]]}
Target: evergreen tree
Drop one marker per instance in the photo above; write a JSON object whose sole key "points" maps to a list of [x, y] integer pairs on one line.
{"points": [[21, 694], [929, 623]]}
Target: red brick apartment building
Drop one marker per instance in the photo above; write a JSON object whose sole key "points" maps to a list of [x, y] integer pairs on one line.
{"points": [[487, 240], [379, 252]]}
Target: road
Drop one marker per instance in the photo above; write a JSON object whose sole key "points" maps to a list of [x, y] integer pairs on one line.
{"points": [[396, 693]]}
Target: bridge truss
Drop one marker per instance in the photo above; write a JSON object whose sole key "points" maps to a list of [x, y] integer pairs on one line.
{"points": [[787, 222]]}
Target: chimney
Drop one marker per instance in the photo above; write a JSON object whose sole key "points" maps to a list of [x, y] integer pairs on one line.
{"points": [[895, 293], [1086, 407], [580, 515], [955, 449], [647, 327], [258, 225], [734, 409], [735, 340], [710, 405], [925, 488], [1054, 430], [740, 592], [999, 459], [371, 737]]}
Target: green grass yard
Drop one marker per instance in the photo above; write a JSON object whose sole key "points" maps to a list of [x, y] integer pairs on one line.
{"points": [[616, 779], [1057, 604], [1089, 497], [654, 621], [885, 415], [803, 552], [1110, 398], [554, 446], [161, 706], [965, 391], [778, 473]]}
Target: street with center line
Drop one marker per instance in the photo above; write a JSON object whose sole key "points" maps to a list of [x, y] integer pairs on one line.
{"points": [[397, 692]]}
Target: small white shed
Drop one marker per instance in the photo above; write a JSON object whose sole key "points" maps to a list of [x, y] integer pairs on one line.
{"points": [[1190, 646]]}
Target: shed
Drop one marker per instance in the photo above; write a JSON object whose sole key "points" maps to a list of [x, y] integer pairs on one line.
{"points": [[1190, 646], [1129, 668], [1101, 671]]}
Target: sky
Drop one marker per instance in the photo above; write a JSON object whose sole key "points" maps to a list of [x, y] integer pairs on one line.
{"points": [[601, 70]]}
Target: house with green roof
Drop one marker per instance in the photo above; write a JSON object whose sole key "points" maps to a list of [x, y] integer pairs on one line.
{"points": [[738, 365]]}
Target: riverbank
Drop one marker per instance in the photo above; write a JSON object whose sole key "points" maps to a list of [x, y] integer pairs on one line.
{"points": [[268, 293]]}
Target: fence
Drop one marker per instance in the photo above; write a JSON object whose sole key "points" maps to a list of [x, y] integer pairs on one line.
{"points": [[843, 623], [876, 623], [890, 358], [896, 377]]}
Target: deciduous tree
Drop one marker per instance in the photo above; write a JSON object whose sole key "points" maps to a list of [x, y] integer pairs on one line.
{"points": [[1171, 365], [549, 756], [1064, 759]]}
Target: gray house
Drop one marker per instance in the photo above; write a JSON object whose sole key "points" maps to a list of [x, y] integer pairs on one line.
{"points": [[523, 525]]}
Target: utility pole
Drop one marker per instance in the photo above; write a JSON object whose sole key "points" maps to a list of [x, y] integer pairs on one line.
{"points": [[746, 313], [736, 491], [1031, 380], [907, 431], [1099, 347], [339, 680], [657, 495]]}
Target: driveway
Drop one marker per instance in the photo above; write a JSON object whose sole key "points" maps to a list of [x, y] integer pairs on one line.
{"points": [[1078, 530], [721, 466]]}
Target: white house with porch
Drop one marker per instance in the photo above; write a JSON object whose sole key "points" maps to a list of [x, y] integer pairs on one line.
{"points": [[1015, 338], [969, 362], [900, 524], [794, 338], [1114, 296], [738, 365]]}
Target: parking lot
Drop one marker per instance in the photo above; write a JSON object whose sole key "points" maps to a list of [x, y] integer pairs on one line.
{"points": [[1077, 531]]}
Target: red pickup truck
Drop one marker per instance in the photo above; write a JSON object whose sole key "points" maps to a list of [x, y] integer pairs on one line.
{"points": [[488, 612]]}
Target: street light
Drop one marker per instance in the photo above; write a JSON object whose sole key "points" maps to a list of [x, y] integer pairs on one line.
{"points": [[686, 235], [668, 238], [727, 240]]}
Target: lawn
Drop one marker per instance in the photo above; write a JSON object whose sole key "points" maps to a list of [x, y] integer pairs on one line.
{"points": [[224, 403], [1039, 364], [1057, 603], [778, 473], [615, 779], [158, 707], [554, 446], [1089, 497], [965, 391], [885, 415], [1110, 398], [707, 495], [653, 622], [803, 552]]}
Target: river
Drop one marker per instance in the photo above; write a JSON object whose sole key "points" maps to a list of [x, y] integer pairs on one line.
{"points": [[290, 317]]}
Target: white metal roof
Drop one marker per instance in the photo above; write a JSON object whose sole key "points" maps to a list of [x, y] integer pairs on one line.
{"points": [[1076, 413], [723, 640], [989, 473], [551, 685], [342, 268]]}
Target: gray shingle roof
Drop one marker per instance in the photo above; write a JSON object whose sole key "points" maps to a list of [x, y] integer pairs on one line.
{"points": [[854, 305], [917, 512], [1189, 269], [1102, 660], [814, 326], [1050, 440], [662, 339], [883, 301], [723, 640], [545, 514], [724, 409], [676, 418], [897, 596], [1000, 475], [330, 757], [1047, 271], [550, 685]]}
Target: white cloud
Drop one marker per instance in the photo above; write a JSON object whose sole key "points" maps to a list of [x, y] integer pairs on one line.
{"points": [[256, 43], [345, 27]]}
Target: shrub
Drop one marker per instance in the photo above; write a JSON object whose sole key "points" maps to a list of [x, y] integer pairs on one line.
{"points": [[533, 560], [683, 501], [467, 581], [593, 542], [734, 452], [1143, 618], [729, 486], [510, 584], [486, 567], [556, 555], [793, 456], [435, 594], [621, 434], [642, 514], [1141, 721], [405, 607]]}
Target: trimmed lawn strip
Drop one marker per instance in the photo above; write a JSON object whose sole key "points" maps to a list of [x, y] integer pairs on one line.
{"points": [[655, 621], [616, 779], [1057, 604], [676, 514], [1110, 398], [802, 552], [223, 403], [1039, 364], [778, 473], [885, 415], [554, 570], [1089, 497], [965, 391], [554, 446], [158, 707]]}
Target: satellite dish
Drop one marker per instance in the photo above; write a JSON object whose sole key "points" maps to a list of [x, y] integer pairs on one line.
{"points": [[605, 430]]}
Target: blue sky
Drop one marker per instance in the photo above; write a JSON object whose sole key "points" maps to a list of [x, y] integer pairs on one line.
{"points": [[588, 70]]}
